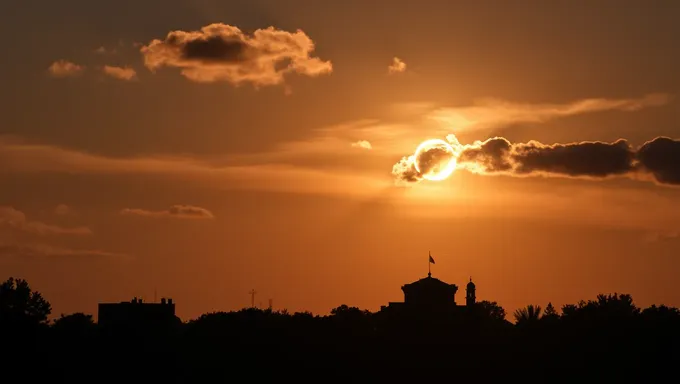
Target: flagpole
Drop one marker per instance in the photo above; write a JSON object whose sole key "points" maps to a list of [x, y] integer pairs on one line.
{"points": [[429, 272]]}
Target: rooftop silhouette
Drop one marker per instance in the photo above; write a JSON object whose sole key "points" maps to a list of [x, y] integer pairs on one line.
{"points": [[427, 336]]}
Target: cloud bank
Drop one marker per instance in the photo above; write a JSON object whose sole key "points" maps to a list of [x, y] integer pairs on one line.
{"points": [[657, 160], [176, 211], [220, 52], [15, 219]]}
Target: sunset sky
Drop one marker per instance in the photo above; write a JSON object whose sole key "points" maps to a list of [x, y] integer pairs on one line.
{"points": [[203, 148]]}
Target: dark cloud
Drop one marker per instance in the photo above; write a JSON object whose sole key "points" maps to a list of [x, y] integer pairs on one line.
{"points": [[433, 159], [590, 159], [492, 154], [584, 159], [659, 158], [220, 52], [176, 211], [215, 49]]}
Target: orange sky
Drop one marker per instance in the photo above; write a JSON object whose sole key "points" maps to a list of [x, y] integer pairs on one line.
{"points": [[185, 147]]}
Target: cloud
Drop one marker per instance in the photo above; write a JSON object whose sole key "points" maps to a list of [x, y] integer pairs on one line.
{"points": [[39, 250], [13, 218], [584, 159], [230, 173], [661, 158], [121, 73], [176, 211], [63, 209], [362, 144], [490, 113], [658, 160], [105, 51], [661, 236], [63, 68], [397, 66], [405, 171], [220, 52]]}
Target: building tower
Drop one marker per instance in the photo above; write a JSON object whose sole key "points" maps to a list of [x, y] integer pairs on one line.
{"points": [[470, 297]]}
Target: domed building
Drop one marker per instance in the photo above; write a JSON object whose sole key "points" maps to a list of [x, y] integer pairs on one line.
{"points": [[431, 295]]}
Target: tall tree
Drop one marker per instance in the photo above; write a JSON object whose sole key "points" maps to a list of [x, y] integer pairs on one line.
{"points": [[21, 305]]}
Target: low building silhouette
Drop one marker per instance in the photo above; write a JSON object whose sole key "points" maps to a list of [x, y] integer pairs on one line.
{"points": [[431, 295], [136, 313]]}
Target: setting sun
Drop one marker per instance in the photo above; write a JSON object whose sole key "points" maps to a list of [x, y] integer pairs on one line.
{"points": [[435, 159]]}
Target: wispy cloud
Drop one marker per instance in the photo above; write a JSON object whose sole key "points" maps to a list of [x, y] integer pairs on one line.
{"points": [[13, 218], [105, 51], [47, 251], [489, 113], [397, 66], [63, 210], [363, 144], [64, 68], [176, 211], [120, 73], [20, 157]]}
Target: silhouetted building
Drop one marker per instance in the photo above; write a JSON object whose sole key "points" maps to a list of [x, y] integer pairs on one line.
{"points": [[136, 313], [430, 294], [470, 297]]}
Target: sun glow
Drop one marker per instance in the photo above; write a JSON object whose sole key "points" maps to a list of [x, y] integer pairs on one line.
{"points": [[435, 159]]}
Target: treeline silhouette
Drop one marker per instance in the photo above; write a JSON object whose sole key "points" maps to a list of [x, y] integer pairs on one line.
{"points": [[606, 339]]}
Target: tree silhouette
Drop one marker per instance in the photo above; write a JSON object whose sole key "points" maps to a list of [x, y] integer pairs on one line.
{"points": [[550, 312], [491, 310], [529, 314], [20, 305], [75, 322]]}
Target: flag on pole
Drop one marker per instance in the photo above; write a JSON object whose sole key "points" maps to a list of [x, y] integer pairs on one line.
{"points": [[431, 259]]}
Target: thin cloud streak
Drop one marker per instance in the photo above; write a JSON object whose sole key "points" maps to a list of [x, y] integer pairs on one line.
{"points": [[176, 211], [491, 113], [22, 158], [46, 251], [15, 219]]}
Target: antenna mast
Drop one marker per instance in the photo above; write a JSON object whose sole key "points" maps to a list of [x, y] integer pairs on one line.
{"points": [[252, 298]]}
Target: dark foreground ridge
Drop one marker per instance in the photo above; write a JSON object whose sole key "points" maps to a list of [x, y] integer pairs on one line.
{"points": [[427, 337]]}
